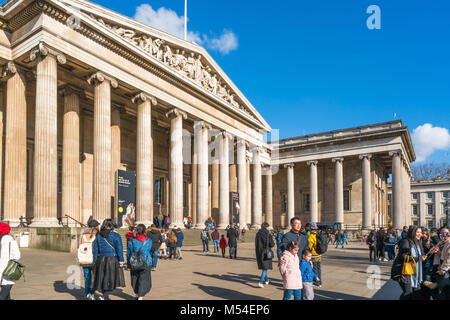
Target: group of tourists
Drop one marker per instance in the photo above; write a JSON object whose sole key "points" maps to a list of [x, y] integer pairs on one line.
{"points": [[219, 241], [422, 264], [381, 241], [300, 256], [101, 255]]}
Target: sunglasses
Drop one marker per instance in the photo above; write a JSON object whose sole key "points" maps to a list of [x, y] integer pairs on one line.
{"points": [[445, 234]]}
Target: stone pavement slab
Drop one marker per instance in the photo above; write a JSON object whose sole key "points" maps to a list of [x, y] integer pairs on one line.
{"points": [[204, 276]]}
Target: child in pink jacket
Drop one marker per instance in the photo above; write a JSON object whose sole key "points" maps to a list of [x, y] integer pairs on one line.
{"points": [[290, 271]]}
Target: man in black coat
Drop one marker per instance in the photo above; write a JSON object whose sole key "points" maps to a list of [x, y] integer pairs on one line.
{"points": [[263, 241], [232, 236], [296, 236], [155, 235]]}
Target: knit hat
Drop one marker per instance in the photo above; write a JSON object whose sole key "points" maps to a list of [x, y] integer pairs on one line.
{"points": [[4, 228]]}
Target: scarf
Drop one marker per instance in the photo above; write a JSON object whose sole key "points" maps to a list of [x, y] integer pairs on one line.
{"points": [[140, 238]]}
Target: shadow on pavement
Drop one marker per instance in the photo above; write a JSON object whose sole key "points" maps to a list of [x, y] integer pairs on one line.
{"points": [[227, 293], [330, 295], [78, 293], [248, 279], [227, 256], [389, 291]]}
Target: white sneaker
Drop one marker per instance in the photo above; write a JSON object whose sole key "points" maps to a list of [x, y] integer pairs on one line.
{"points": [[101, 298], [385, 260], [260, 285], [90, 296], [266, 282]]}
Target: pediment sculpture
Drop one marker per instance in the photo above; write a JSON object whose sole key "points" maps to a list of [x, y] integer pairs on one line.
{"points": [[188, 64]]}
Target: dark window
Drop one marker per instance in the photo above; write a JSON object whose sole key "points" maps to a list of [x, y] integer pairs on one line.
{"points": [[430, 195], [306, 202], [159, 191], [347, 200], [430, 224], [430, 209], [414, 209], [414, 196], [283, 203], [445, 194]]}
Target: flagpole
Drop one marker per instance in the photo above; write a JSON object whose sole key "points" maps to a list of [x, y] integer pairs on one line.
{"points": [[185, 20]]}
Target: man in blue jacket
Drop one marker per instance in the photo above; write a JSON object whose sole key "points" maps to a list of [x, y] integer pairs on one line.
{"points": [[180, 237], [295, 236]]}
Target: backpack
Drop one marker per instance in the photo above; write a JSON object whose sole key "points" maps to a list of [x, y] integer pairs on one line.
{"points": [[322, 243], [204, 235], [137, 258], [84, 254]]}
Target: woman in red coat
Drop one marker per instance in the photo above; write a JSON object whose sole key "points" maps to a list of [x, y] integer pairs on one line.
{"points": [[223, 245]]}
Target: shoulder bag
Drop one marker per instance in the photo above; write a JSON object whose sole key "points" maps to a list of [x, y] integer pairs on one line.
{"points": [[14, 270], [268, 253]]}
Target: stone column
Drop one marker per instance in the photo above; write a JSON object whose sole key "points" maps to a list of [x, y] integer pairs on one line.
{"points": [[70, 202], [115, 148], [313, 195], [101, 192], [176, 166], [194, 184], [269, 207], [339, 190], [15, 194], [45, 146], [215, 186], [396, 190], [366, 191], [257, 191], [241, 160], [290, 191], [249, 193], [224, 206], [201, 140], [144, 159]]}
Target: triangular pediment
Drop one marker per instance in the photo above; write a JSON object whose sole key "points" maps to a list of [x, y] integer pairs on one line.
{"points": [[187, 60]]}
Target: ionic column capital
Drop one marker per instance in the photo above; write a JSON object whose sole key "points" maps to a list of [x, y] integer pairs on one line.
{"points": [[341, 159], [44, 50], [202, 124], [395, 153], [312, 162], [68, 90], [98, 77], [175, 112], [257, 149], [289, 165], [362, 156], [143, 97], [11, 68]]}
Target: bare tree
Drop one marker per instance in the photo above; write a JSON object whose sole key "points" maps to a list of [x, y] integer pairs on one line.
{"points": [[430, 170]]}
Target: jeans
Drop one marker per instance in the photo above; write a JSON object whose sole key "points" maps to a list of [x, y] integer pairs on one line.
{"points": [[264, 277], [154, 255], [205, 245], [390, 250], [216, 245], [373, 250], [178, 254], [288, 294], [87, 271], [160, 223], [5, 292], [223, 252], [339, 242], [233, 252], [172, 253], [317, 268]]}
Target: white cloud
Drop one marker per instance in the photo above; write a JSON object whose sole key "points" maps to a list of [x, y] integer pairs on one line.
{"points": [[168, 21], [225, 43], [427, 139]]}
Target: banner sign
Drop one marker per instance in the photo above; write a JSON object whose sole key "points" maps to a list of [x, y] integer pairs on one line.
{"points": [[126, 198], [235, 208]]}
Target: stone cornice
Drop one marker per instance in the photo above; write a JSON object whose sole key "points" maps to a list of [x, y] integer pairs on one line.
{"points": [[175, 112], [99, 77], [143, 97], [44, 50]]}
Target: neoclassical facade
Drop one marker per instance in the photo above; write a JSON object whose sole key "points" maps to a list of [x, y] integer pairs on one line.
{"points": [[86, 92]]}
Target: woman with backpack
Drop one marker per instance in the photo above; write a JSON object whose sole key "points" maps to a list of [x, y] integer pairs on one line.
{"points": [[263, 244], [108, 260], [139, 262], [9, 250], [172, 241], [410, 250], [86, 258], [205, 237]]}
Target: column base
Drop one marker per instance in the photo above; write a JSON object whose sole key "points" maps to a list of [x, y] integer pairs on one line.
{"points": [[255, 227], [45, 222], [177, 225], [13, 223], [145, 223], [199, 226], [223, 226]]}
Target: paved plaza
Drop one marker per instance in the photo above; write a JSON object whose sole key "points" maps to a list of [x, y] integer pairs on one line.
{"points": [[201, 276]]}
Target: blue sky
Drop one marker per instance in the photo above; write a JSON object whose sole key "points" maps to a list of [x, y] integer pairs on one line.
{"points": [[313, 66]]}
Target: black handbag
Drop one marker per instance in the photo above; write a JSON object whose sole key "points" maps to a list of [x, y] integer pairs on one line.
{"points": [[137, 259], [268, 253]]}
